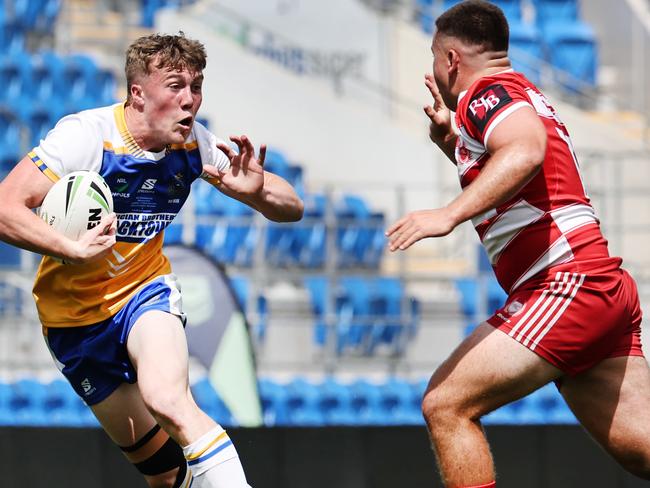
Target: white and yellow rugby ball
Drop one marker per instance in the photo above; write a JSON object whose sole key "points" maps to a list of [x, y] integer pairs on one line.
{"points": [[77, 203]]}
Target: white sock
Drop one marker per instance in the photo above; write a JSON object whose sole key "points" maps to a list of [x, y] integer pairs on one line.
{"points": [[214, 462]]}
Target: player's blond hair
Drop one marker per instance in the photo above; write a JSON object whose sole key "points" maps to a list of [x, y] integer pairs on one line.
{"points": [[174, 52]]}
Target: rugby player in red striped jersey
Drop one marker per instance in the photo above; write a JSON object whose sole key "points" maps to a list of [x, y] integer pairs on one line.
{"points": [[572, 315]]}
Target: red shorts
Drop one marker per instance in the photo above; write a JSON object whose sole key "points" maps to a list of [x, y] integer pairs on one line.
{"points": [[575, 320]]}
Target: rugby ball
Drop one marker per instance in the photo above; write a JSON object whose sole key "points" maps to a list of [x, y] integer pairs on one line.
{"points": [[77, 203]]}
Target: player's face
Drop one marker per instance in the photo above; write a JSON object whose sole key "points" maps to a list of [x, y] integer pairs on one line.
{"points": [[171, 100], [441, 70]]}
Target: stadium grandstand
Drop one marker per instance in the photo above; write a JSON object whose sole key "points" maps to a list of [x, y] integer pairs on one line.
{"points": [[342, 334]]}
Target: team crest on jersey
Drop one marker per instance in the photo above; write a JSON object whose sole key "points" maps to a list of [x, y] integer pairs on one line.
{"points": [[176, 185], [514, 308], [486, 103]]}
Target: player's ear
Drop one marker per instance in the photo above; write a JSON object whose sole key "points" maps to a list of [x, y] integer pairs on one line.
{"points": [[453, 60], [137, 100]]}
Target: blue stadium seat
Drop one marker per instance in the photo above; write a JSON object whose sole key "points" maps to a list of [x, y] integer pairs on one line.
{"points": [[469, 291], [12, 36], [365, 400], [303, 403], [46, 76], [550, 11], [308, 244], [27, 402], [6, 414], [106, 87], [511, 8], [224, 229], [273, 398], [341, 311], [79, 77], [396, 325], [360, 233], [14, 76], [240, 287], [37, 15], [335, 403], [63, 405], [571, 48], [526, 50], [10, 139], [396, 402], [40, 118]]}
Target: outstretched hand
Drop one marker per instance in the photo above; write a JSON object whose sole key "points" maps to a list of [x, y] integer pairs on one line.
{"points": [[95, 243], [438, 113], [418, 225], [246, 173]]}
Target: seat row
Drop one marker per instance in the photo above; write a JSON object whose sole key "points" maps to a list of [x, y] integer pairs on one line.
{"points": [[226, 230], [21, 18], [392, 402], [39, 89], [358, 314], [557, 36], [29, 402]]}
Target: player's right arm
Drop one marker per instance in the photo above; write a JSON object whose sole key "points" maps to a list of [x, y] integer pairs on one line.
{"points": [[23, 189], [441, 130]]}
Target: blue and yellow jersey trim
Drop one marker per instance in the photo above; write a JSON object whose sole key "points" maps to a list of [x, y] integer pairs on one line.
{"points": [[43, 167]]}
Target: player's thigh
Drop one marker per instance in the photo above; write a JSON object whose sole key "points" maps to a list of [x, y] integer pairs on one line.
{"points": [[124, 416], [157, 347], [612, 401], [487, 370]]}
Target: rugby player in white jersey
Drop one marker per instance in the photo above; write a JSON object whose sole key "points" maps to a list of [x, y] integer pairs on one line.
{"points": [[572, 315], [112, 314]]}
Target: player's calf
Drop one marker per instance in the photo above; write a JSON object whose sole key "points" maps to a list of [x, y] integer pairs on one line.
{"points": [[160, 459]]}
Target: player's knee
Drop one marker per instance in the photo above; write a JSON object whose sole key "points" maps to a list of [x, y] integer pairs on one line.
{"points": [[438, 408], [167, 409], [159, 458]]}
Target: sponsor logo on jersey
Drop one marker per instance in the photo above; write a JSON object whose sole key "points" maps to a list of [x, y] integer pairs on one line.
{"points": [[138, 227], [486, 103], [149, 184]]}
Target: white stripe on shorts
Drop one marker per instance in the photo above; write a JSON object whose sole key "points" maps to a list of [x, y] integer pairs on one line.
{"points": [[552, 306], [559, 313], [546, 313], [540, 300]]}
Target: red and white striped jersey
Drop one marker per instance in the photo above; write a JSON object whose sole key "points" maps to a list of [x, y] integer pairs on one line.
{"points": [[550, 221]]}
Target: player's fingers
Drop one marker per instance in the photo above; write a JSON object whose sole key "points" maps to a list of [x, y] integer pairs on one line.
{"points": [[248, 145], [399, 239], [393, 228], [238, 141], [262, 155], [430, 83], [227, 150], [412, 239], [104, 225], [428, 109]]}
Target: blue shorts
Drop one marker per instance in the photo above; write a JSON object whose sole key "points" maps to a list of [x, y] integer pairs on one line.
{"points": [[94, 358]]}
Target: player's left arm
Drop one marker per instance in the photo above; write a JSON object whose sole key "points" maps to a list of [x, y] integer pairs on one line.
{"points": [[246, 181], [517, 146]]}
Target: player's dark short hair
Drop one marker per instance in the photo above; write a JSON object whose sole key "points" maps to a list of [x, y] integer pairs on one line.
{"points": [[477, 23], [174, 52]]}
